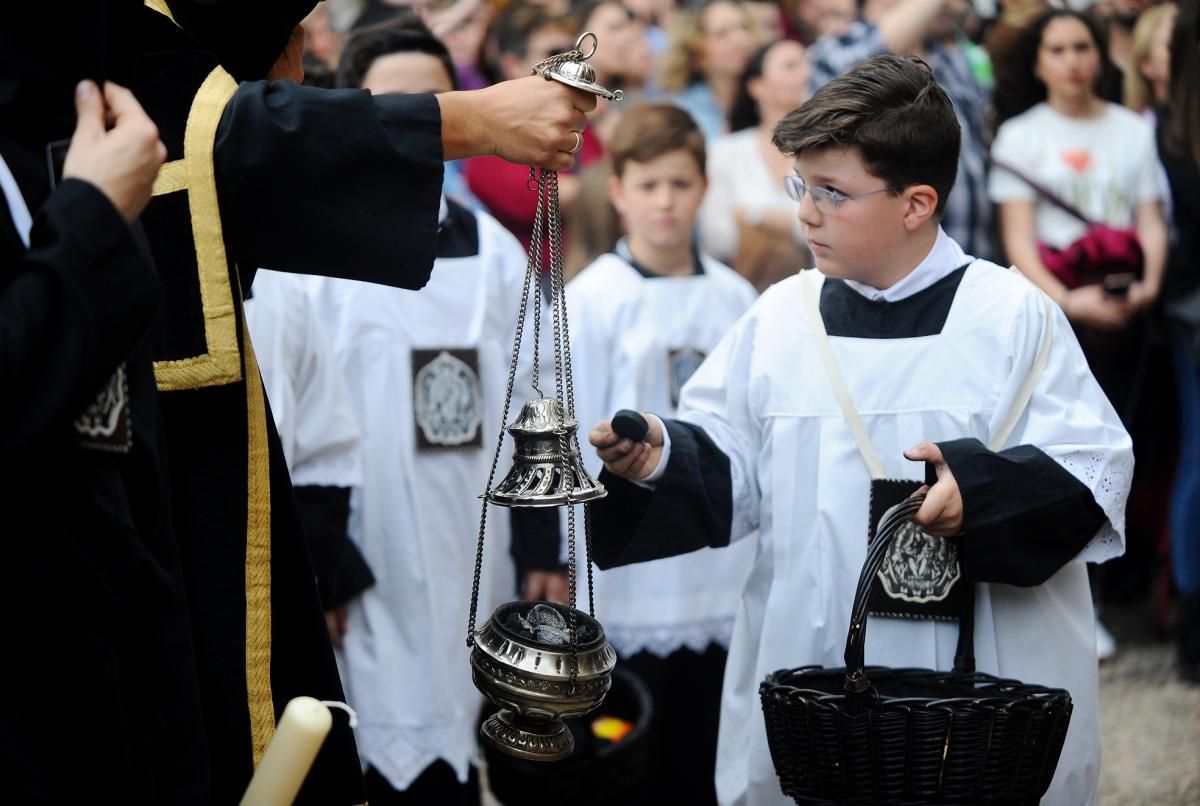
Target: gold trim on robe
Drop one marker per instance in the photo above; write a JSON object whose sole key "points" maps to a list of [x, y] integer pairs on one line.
{"points": [[258, 560], [171, 177], [221, 364], [161, 7]]}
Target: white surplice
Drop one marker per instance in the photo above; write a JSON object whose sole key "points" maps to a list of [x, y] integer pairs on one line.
{"points": [[416, 519], [309, 399], [635, 339], [800, 484]]}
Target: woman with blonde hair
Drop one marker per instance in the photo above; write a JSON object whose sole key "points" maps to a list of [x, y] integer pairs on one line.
{"points": [[1148, 78], [708, 50]]}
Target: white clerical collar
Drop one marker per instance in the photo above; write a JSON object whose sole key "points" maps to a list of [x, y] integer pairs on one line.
{"points": [[945, 257]]}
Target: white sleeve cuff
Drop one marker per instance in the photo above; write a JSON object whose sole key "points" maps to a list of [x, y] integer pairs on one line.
{"points": [[661, 468]]}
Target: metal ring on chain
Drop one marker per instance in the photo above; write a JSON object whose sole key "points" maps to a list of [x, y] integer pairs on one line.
{"points": [[584, 37]]}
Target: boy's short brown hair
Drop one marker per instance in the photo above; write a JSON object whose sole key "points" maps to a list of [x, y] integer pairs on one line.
{"points": [[890, 108], [648, 131]]}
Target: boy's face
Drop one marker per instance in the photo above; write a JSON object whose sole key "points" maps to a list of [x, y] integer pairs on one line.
{"points": [[405, 73], [862, 238], [658, 199]]}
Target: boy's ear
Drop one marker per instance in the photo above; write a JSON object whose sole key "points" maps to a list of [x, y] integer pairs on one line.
{"points": [[922, 205], [614, 194]]}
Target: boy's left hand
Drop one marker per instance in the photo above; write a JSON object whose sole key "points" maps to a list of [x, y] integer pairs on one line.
{"points": [[942, 512]]}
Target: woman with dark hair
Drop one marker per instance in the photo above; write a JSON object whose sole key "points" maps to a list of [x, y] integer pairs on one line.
{"points": [[1060, 142], [1179, 147], [747, 219]]}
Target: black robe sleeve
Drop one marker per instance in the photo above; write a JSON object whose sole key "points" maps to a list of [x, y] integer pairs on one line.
{"points": [[331, 182], [536, 540], [341, 570], [690, 507], [1043, 519], [71, 308]]}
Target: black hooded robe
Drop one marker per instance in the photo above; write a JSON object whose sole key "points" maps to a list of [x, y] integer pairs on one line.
{"points": [[291, 178]]}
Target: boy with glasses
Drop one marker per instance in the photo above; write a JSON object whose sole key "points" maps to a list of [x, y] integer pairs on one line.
{"points": [[899, 364]]}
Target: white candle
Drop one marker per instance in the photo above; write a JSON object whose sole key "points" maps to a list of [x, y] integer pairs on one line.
{"points": [[298, 737]]}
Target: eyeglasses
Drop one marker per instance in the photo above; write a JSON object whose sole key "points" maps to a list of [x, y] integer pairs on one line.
{"points": [[826, 201]]}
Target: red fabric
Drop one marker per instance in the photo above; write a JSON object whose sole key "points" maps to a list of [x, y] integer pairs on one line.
{"points": [[1102, 251], [504, 187]]}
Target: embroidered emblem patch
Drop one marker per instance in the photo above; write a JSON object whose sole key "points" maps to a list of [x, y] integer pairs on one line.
{"points": [[447, 399], [920, 574], [682, 364], [105, 424], [919, 568]]}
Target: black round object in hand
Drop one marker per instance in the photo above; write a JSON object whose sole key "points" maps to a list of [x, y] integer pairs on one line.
{"points": [[629, 424]]}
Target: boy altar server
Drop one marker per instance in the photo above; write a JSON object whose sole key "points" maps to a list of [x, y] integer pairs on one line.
{"points": [[643, 318], [899, 358]]}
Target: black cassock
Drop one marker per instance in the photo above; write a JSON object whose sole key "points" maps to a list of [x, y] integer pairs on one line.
{"points": [[263, 175], [101, 698]]}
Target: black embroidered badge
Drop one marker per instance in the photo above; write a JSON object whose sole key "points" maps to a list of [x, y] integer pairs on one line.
{"points": [[682, 363], [447, 399], [105, 424], [920, 577]]}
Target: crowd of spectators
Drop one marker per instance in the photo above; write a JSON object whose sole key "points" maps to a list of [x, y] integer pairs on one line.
{"points": [[1073, 117]]}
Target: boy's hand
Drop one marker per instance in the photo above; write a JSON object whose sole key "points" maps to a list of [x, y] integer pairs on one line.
{"points": [[626, 458], [942, 512], [548, 586]]}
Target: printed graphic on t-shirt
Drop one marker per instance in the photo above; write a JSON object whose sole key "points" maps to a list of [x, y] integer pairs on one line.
{"points": [[105, 425], [447, 399], [682, 363]]}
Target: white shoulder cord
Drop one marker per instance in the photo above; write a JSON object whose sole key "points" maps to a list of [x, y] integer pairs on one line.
{"points": [[846, 403]]}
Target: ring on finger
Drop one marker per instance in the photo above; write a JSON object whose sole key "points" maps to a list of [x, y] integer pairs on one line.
{"points": [[578, 143]]}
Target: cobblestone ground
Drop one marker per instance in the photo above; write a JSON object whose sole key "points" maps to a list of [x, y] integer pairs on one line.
{"points": [[1149, 720]]}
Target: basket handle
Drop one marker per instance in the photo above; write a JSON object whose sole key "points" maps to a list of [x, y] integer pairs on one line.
{"points": [[964, 654]]}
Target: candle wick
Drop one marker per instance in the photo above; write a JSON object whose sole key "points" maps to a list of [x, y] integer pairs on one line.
{"points": [[349, 711]]}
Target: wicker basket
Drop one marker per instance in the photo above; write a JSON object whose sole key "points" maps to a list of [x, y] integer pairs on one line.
{"points": [[876, 735]]}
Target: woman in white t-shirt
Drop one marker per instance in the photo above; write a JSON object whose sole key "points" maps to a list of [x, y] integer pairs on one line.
{"points": [[1098, 156]]}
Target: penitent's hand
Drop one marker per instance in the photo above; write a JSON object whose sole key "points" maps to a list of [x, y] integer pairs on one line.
{"points": [[942, 512], [529, 121], [626, 458], [122, 161]]}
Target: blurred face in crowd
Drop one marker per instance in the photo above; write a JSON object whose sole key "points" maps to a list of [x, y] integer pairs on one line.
{"points": [[1156, 67], [860, 239], [1068, 60], [543, 43], [406, 73], [658, 200], [784, 82], [463, 34], [651, 12], [768, 21], [623, 38], [727, 42], [826, 17], [319, 37]]}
